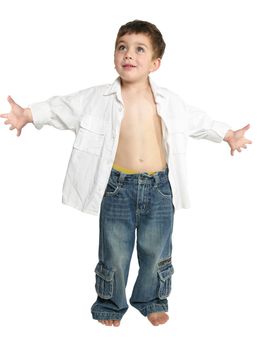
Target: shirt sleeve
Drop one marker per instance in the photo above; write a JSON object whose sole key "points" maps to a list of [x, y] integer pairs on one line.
{"points": [[201, 126], [61, 112]]}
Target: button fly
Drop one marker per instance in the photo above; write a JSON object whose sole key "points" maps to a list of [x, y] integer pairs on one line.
{"points": [[141, 180], [143, 195]]}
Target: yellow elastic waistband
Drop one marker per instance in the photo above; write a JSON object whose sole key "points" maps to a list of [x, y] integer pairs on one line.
{"points": [[129, 171]]}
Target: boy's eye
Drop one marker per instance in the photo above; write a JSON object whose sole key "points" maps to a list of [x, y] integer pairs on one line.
{"points": [[121, 47], [140, 49]]}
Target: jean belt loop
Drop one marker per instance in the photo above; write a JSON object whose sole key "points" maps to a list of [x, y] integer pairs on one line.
{"points": [[157, 179], [121, 177]]}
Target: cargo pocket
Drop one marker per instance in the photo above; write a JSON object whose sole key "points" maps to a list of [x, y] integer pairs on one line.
{"points": [[165, 277], [104, 281]]}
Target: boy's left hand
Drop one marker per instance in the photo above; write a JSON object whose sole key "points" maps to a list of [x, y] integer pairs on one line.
{"points": [[236, 139]]}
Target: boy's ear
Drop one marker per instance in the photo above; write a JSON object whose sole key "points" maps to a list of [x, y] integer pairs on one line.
{"points": [[155, 64]]}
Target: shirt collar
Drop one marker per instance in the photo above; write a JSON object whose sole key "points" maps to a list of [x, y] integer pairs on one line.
{"points": [[115, 88], [157, 90]]}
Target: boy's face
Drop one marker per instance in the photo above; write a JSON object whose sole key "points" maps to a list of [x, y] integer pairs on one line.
{"points": [[133, 57]]}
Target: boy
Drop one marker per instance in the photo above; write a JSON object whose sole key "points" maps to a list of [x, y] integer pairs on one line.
{"points": [[128, 166]]}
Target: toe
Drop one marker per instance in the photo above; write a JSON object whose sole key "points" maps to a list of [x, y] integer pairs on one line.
{"points": [[158, 318], [163, 319], [115, 323], [155, 322]]}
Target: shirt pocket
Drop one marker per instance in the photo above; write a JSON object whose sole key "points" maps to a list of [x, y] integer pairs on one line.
{"points": [[178, 141], [90, 137]]}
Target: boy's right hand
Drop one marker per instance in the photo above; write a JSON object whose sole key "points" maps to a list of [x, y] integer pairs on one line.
{"points": [[18, 117]]}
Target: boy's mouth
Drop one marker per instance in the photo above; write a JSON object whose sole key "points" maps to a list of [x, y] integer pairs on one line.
{"points": [[128, 66]]}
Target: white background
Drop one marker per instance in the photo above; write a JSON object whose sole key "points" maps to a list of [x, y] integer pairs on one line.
{"points": [[48, 251]]}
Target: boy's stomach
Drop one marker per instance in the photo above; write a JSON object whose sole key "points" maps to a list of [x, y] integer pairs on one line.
{"points": [[140, 155]]}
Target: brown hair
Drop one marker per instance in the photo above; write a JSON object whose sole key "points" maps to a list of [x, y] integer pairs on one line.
{"points": [[147, 28]]}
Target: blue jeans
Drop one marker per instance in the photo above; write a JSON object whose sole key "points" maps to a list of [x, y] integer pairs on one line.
{"points": [[142, 202]]}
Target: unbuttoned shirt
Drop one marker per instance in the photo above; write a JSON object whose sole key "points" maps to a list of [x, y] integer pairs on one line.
{"points": [[95, 115]]}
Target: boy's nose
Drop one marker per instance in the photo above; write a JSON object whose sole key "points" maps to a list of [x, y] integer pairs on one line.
{"points": [[128, 55]]}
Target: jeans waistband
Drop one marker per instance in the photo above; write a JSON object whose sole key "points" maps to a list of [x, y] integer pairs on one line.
{"points": [[157, 177]]}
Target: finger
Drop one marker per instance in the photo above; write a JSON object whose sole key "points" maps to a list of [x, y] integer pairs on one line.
{"points": [[244, 146], [10, 100], [238, 149], [249, 141], [3, 115], [232, 152], [7, 122], [11, 127], [246, 127], [19, 131]]}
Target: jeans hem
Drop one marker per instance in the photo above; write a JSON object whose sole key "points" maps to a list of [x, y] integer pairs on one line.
{"points": [[106, 316], [153, 308]]}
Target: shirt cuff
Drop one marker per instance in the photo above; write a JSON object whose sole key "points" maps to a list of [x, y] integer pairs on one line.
{"points": [[218, 131], [41, 114]]}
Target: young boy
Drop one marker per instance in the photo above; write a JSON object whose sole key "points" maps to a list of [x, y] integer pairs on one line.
{"points": [[128, 166]]}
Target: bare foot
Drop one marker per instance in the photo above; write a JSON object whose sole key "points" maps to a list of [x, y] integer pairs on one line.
{"points": [[114, 323], [157, 318]]}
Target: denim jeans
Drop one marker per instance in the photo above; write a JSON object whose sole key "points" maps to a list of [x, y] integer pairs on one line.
{"points": [[142, 203]]}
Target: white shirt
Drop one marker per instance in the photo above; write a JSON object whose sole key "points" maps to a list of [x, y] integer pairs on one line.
{"points": [[95, 115]]}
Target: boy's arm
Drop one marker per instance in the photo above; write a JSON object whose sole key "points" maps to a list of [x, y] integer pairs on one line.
{"points": [[201, 126], [62, 112]]}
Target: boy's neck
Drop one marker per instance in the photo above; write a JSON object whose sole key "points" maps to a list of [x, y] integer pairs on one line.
{"points": [[135, 87]]}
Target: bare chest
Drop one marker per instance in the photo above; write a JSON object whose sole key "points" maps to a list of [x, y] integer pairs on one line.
{"points": [[141, 121], [140, 144]]}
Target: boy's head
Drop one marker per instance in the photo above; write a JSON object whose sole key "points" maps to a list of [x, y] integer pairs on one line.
{"points": [[147, 28], [139, 48]]}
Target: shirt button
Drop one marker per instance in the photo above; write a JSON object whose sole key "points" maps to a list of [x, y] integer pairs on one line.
{"points": [[120, 109]]}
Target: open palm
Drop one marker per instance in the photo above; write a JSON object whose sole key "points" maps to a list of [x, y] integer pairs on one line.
{"points": [[16, 118], [237, 139]]}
